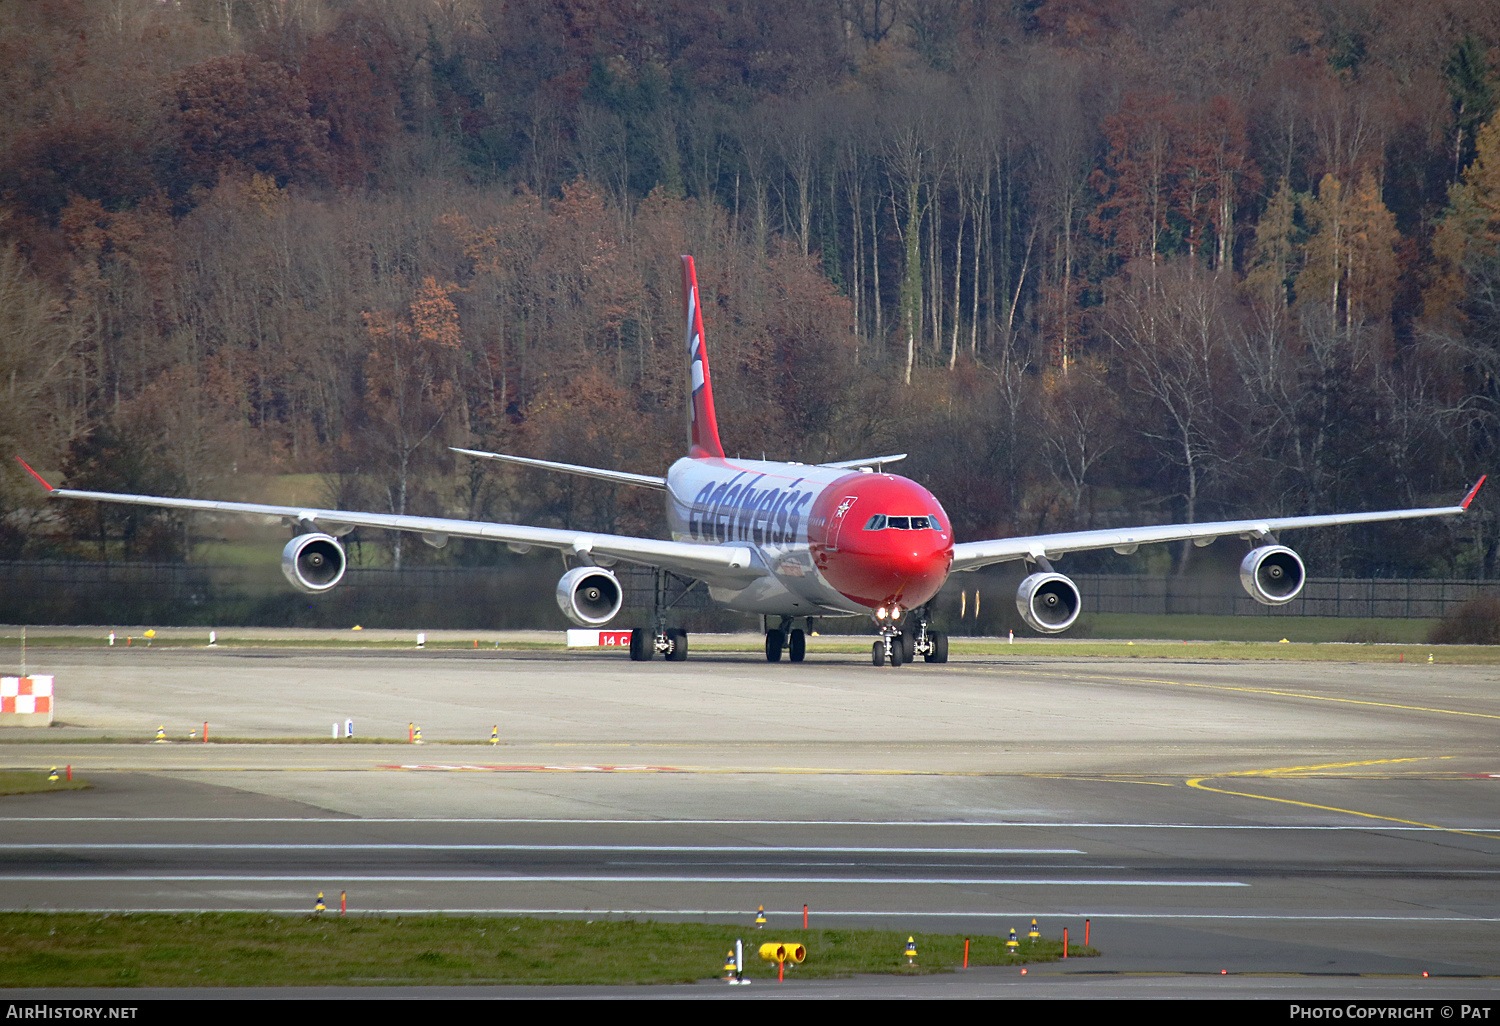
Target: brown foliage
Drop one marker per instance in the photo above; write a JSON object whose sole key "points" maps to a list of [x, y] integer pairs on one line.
{"points": [[351, 75], [244, 113], [81, 154]]}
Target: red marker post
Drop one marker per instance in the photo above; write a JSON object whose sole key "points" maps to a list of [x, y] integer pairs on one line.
{"points": [[804, 917], [966, 952], [1065, 942]]}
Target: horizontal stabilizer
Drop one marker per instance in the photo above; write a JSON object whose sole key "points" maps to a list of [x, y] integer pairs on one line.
{"points": [[871, 461], [617, 476]]}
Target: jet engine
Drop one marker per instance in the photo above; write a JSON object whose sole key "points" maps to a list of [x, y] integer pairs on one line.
{"points": [[1048, 602], [589, 595], [313, 562], [1272, 574]]}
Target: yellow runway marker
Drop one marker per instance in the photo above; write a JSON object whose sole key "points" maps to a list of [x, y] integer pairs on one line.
{"points": [[1281, 771], [1099, 780], [1280, 694], [1294, 773]]}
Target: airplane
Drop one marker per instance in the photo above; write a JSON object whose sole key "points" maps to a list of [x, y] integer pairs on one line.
{"points": [[787, 541]]}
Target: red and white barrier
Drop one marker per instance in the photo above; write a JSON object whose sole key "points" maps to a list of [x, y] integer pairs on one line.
{"points": [[26, 701], [598, 639]]}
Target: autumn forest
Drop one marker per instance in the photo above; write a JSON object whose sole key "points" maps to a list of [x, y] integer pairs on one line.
{"points": [[1091, 262]]}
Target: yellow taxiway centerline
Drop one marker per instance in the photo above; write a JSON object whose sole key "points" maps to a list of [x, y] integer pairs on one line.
{"points": [[1292, 772], [1084, 678]]}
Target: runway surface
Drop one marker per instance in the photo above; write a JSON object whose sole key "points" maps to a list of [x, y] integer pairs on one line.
{"points": [[1333, 825]]}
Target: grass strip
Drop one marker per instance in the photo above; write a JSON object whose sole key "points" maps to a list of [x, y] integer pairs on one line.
{"points": [[33, 782], [1325, 642], [242, 949], [1239, 651], [90, 641]]}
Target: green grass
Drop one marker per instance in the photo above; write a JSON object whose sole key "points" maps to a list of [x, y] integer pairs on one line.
{"points": [[200, 640], [1238, 651], [239, 949], [1309, 638], [35, 782], [195, 737], [1260, 628]]}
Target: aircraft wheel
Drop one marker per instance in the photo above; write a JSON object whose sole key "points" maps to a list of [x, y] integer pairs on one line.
{"points": [[775, 641], [877, 654], [796, 646], [898, 651], [642, 645], [678, 637], [908, 643], [939, 653]]}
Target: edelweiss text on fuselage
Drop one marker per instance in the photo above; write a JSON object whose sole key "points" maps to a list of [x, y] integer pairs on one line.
{"points": [[735, 510]]}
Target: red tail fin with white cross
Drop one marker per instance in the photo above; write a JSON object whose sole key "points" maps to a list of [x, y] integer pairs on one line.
{"points": [[703, 427]]}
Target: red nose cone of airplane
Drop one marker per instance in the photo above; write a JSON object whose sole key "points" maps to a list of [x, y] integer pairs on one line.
{"points": [[881, 540]]}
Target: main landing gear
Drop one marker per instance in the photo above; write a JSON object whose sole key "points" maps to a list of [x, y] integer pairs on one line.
{"points": [[896, 646], [671, 643], [793, 640]]}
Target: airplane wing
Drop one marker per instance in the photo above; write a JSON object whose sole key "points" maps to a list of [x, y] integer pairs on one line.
{"points": [[973, 555], [728, 563]]}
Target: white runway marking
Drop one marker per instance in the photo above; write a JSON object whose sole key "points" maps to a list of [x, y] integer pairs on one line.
{"points": [[922, 823], [686, 849], [883, 881]]}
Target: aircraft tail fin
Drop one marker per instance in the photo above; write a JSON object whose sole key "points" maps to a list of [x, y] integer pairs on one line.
{"points": [[703, 426]]}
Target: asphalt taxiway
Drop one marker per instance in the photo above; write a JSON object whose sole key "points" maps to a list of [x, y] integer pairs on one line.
{"points": [[1331, 825]]}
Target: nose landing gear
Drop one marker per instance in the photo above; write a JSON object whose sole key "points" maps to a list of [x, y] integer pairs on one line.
{"points": [[897, 646]]}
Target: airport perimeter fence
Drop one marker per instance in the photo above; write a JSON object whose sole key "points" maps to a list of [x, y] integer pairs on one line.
{"points": [[1158, 594], [509, 597], [520, 595]]}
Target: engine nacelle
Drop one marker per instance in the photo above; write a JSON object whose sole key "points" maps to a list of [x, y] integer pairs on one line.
{"points": [[589, 596], [313, 562], [1048, 602], [1272, 574]]}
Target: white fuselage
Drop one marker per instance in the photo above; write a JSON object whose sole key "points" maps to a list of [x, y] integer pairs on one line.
{"points": [[766, 506], [791, 516]]}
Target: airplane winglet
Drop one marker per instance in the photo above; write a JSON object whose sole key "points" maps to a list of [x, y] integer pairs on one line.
{"points": [[51, 489], [1462, 505]]}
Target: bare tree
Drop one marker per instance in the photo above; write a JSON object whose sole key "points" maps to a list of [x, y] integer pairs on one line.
{"points": [[1082, 428], [1170, 339]]}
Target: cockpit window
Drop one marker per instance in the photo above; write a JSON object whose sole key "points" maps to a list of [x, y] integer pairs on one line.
{"points": [[880, 522]]}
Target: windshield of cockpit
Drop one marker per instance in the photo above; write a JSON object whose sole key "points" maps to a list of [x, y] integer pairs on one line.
{"points": [[882, 522]]}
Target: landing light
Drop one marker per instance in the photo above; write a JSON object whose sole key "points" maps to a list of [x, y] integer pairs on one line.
{"points": [[880, 613], [895, 612]]}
